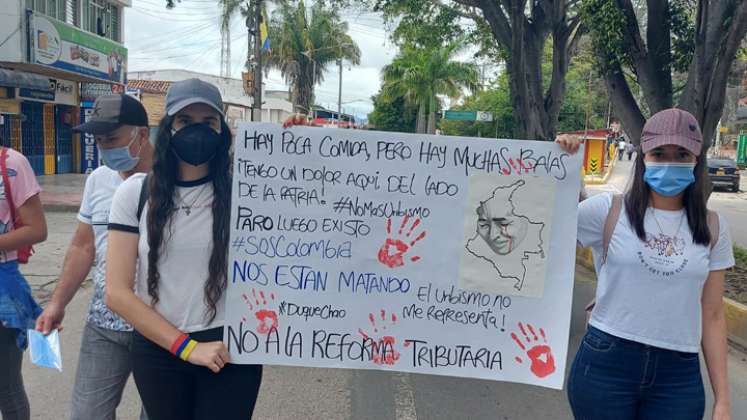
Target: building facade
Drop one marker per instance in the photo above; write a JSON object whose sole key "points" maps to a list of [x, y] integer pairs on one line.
{"points": [[275, 108], [57, 57]]}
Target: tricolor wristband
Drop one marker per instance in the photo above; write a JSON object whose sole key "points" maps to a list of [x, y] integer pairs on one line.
{"points": [[183, 347]]}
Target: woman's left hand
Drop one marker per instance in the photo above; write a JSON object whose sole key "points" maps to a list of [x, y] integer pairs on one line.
{"points": [[721, 411]]}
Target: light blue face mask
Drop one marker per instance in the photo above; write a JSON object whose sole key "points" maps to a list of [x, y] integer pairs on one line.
{"points": [[119, 159], [669, 179]]}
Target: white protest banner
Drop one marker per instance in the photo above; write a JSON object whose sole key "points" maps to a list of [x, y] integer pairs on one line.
{"points": [[426, 254]]}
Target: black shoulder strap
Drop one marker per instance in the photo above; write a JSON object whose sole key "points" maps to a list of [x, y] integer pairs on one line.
{"points": [[143, 196]]}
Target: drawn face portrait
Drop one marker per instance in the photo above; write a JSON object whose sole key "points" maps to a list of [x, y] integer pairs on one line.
{"points": [[502, 230]]}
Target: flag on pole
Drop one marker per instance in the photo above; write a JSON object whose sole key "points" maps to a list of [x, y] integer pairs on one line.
{"points": [[263, 32]]}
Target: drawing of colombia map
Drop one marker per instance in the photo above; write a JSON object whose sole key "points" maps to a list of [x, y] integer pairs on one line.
{"points": [[507, 225]]}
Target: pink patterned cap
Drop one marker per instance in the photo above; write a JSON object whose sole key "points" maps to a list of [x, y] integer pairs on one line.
{"points": [[672, 126]]}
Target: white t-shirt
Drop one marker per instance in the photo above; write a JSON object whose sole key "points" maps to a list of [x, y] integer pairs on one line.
{"points": [[185, 257], [650, 292], [101, 185]]}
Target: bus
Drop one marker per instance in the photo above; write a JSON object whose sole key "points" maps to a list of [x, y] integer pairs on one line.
{"points": [[326, 118]]}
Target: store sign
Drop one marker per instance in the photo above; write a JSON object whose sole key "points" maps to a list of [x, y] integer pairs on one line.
{"points": [[66, 92], [63, 92], [89, 153], [37, 94], [9, 107], [90, 91], [59, 45]]}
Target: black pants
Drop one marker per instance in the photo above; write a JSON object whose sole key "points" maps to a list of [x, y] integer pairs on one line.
{"points": [[14, 404], [173, 389]]}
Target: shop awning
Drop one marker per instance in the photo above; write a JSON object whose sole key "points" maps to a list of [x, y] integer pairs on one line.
{"points": [[17, 79]]}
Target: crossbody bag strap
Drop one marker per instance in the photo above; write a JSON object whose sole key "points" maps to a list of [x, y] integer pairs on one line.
{"points": [[609, 225], [6, 185]]}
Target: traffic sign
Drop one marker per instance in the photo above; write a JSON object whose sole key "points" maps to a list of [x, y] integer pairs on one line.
{"points": [[460, 115], [482, 116]]}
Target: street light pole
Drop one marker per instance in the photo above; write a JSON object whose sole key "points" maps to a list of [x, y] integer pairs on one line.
{"points": [[339, 91], [257, 101]]}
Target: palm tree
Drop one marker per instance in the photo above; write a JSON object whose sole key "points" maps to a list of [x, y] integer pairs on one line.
{"points": [[421, 76], [304, 45], [229, 9]]}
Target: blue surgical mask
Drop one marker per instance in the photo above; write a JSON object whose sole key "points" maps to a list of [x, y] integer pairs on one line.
{"points": [[669, 179], [119, 159]]}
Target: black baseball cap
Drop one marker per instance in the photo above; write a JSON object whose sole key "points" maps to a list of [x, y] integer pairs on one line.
{"points": [[113, 111]]}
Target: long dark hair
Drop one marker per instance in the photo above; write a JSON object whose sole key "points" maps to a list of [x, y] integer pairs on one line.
{"points": [[638, 195], [161, 209]]}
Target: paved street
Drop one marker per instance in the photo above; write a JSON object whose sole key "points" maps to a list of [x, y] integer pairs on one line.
{"points": [[733, 206], [296, 393]]}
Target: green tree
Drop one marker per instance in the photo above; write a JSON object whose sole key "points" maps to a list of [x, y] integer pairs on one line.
{"points": [[497, 100], [392, 115], [305, 44], [586, 98], [515, 32], [659, 53], [421, 76]]}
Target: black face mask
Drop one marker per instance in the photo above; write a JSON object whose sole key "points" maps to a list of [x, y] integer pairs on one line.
{"points": [[195, 144]]}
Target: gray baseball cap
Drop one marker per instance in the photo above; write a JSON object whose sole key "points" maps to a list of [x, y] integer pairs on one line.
{"points": [[113, 111], [192, 91]]}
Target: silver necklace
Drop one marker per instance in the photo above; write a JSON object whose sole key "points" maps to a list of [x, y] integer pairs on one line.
{"points": [[669, 242], [188, 208]]}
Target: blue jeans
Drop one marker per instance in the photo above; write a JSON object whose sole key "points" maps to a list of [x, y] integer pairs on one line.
{"points": [[617, 379]]}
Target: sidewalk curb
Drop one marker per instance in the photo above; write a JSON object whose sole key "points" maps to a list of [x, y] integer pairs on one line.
{"points": [[736, 322], [735, 312]]}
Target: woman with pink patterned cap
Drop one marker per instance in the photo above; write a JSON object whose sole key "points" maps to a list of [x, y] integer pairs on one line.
{"points": [[661, 279]]}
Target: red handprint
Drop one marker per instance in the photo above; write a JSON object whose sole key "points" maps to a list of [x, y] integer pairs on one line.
{"points": [[383, 351], [268, 319], [543, 362], [392, 253]]}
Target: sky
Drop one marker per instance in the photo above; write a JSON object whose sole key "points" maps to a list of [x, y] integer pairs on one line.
{"points": [[188, 37]]}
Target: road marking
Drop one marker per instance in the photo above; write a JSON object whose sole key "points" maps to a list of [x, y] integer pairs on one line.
{"points": [[404, 398]]}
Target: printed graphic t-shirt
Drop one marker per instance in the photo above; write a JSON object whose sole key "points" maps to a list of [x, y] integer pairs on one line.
{"points": [[23, 185], [94, 211], [183, 264], [650, 292]]}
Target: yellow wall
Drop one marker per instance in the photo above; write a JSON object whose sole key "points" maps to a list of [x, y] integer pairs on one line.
{"points": [[594, 157]]}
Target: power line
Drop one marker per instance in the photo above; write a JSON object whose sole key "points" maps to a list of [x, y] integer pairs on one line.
{"points": [[162, 17], [174, 33]]}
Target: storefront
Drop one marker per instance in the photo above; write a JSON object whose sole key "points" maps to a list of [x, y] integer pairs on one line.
{"points": [[42, 77]]}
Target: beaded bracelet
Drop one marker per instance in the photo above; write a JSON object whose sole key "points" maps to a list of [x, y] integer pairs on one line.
{"points": [[183, 347]]}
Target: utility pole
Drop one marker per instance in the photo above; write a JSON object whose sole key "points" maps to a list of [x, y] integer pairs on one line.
{"points": [[588, 109], [339, 92], [255, 63]]}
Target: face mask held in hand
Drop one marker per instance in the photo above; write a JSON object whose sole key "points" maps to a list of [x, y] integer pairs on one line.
{"points": [[195, 144], [669, 179], [119, 159]]}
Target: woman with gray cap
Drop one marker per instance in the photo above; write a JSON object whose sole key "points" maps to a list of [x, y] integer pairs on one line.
{"points": [[661, 257], [167, 263]]}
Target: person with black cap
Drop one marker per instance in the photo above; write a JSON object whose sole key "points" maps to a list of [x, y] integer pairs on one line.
{"points": [[175, 295], [120, 127]]}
